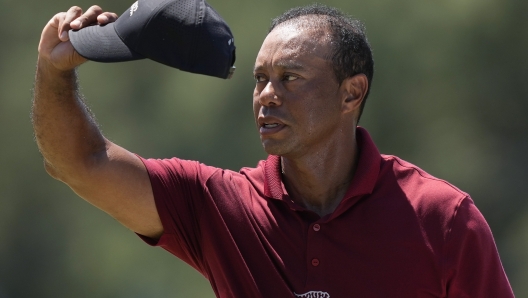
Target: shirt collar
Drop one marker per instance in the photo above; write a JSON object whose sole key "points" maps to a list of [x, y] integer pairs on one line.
{"points": [[364, 180]]}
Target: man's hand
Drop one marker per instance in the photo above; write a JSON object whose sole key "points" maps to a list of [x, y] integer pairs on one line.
{"points": [[55, 47]]}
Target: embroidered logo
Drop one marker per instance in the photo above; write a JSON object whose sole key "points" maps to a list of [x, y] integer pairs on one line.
{"points": [[133, 8], [313, 294]]}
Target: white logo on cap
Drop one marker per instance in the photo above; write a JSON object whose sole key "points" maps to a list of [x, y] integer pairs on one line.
{"points": [[133, 8], [230, 41]]}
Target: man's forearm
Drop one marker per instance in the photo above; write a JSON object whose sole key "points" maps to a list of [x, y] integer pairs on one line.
{"points": [[66, 133]]}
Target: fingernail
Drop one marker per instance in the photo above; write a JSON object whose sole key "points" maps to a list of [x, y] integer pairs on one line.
{"points": [[75, 23], [64, 35]]}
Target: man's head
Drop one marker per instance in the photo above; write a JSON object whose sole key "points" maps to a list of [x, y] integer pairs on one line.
{"points": [[303, 100], [351, 53]]}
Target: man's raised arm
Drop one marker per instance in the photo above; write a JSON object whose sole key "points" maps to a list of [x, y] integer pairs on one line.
{"points": [[73, 147]]}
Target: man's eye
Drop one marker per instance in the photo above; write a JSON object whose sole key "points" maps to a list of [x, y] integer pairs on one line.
{"points": [[290, 78], [260, 78]]}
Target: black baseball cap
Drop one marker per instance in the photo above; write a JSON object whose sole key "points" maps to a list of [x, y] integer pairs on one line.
{"points": [[186, 34]]}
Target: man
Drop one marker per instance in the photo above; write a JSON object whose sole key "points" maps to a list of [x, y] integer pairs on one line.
{"points": [[324, 216]]}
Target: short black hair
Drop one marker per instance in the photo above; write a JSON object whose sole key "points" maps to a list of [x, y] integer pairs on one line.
{"points": [[351, 52]]}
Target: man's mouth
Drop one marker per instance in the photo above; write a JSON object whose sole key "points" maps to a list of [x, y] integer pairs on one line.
{"points": [[270, 128], [269, 125]]}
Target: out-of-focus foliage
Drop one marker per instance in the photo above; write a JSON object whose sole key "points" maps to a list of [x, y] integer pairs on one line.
{"points": [[449, 94]]}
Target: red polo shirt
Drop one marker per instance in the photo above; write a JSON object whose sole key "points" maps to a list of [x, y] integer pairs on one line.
{"points": [[398, 232]]}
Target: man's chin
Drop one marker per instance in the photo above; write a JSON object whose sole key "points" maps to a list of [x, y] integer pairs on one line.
{"points": [[273, 147]]}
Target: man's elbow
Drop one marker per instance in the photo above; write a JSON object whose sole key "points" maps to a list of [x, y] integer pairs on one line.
{"points": [[73, 171], [65, 175]]}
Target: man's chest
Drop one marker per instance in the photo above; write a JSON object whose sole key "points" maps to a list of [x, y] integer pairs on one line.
{"points": [[358, 254]]}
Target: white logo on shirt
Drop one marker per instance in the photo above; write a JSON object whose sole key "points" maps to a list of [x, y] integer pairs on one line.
{"points": [[313, 294], [133, 8]]}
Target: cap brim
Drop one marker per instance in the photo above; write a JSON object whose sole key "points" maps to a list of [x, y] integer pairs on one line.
{"points": [[101, 44]]}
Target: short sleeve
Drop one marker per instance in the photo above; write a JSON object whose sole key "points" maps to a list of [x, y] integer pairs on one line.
{"points": [[179, 192], [472, 264]]}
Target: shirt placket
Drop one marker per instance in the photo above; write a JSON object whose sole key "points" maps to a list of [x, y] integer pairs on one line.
{"points": [[314, 254]]}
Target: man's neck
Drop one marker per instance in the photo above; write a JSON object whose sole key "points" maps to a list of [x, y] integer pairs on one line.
{"points": [[319, 181]]}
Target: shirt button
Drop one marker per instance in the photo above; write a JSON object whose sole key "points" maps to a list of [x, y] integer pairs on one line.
{"points": [[316, 227], [315, 262]]}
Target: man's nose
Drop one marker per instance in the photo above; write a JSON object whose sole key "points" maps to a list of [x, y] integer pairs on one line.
{"points": [[270, 95]]}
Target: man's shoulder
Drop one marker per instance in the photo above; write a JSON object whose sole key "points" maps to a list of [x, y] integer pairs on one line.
{"points": [[258, 170], [176, 171], [246, 180], [420, 188], [254, 175]]}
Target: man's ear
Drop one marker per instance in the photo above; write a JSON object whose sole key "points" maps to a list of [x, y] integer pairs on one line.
{"points": [[354, 89]]}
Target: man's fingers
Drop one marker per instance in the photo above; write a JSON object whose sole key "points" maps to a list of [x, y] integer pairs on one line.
{"points": [[74, 18], [88, 18], [54, 43], [106, 17], [56, 20], [65, 20]]}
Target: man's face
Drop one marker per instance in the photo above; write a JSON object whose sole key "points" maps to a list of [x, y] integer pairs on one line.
{"points": [[297, 99]]}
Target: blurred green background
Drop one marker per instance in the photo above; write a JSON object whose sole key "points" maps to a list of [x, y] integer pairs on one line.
{"points": [[449, 94]]}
